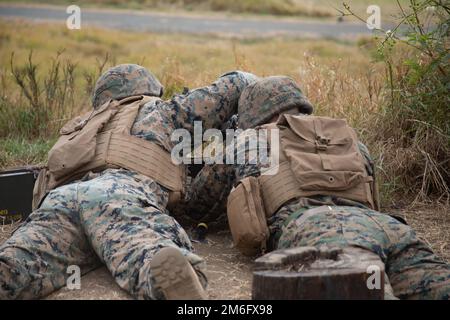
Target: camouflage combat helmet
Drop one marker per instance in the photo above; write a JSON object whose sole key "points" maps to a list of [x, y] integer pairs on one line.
{"points": [[123, 81], [263, 99]]}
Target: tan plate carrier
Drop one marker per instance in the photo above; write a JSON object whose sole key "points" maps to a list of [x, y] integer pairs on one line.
{"points": [[318, 156], [101, 139]]}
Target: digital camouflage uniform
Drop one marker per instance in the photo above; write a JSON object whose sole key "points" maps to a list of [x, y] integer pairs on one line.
{"points": [[206, 198], [208, 193], [116, 217], [413, 270]]}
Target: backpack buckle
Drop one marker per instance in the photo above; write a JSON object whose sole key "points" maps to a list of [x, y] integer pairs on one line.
{"points": [[322, 143]]}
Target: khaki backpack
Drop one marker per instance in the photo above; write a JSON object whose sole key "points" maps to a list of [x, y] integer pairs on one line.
{"points": [[318, 156]]}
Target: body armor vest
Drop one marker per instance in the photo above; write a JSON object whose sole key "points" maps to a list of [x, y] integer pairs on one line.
{"points": [[102, 139]]}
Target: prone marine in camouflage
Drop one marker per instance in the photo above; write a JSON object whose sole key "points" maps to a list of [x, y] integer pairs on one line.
{"points": [[207, 196], [118, 217], [413, 271]]}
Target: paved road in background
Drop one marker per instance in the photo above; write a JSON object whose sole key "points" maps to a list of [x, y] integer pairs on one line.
{"points": [[158, 22]]}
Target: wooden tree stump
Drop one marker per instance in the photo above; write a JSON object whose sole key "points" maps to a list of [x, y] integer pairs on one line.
{"points": [[318, 273]]}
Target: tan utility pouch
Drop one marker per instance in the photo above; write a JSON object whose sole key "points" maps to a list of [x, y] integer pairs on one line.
{"points": [[247, 218]]}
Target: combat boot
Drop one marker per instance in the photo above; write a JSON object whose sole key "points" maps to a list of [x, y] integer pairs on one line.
{"points": [[175, 277]]}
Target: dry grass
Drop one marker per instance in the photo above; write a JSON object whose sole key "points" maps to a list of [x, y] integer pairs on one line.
{"points": [[193, 59], [431, 222], [178, 60], [340, 78], [6, 229]]}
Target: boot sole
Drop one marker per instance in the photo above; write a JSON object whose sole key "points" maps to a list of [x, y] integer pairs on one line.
{"points": [[175, 277]]}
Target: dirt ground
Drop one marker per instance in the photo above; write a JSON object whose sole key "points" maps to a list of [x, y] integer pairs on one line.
{"points": [[229, 273]]}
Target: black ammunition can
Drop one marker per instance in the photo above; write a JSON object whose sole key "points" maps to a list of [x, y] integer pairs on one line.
{"points": [[16, 193]]}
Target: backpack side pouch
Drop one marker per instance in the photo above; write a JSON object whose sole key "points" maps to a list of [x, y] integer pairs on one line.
{"points": [[247, 218]]}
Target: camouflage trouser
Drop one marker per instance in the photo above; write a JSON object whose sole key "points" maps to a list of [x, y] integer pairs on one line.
{"points": [[116, 218], [413, 271]]}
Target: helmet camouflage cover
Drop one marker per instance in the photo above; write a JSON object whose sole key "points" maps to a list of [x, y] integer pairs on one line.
{"points": [[123, 81], [263, 99]]}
